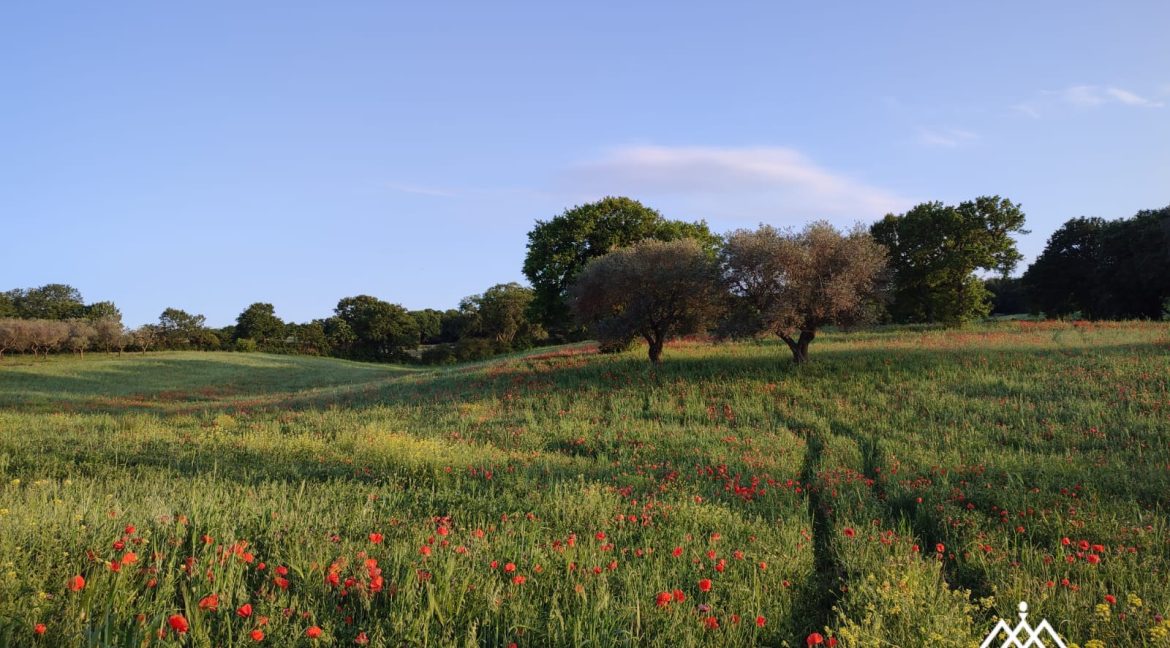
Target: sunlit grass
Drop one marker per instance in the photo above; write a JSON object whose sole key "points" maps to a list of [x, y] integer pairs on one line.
{"points": [[996, 443]]}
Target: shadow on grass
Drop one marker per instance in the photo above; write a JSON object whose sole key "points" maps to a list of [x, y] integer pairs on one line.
{"points": [[232, 382]]}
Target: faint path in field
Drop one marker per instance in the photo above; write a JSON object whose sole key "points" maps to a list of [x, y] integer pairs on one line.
{"points": [[903, 509], [827, 571]]}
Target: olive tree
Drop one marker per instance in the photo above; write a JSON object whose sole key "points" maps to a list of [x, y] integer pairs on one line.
{"points": [[110, 334], [80, 335], [15, 335], [654, 290], [560, 247], [793, 283], [47, 335]]}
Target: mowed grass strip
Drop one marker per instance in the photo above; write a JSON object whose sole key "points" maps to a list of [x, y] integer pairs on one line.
{"points": [[563, 497]]}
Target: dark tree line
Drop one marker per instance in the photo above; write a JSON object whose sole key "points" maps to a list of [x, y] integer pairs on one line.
{"points": [[1102, 269]]}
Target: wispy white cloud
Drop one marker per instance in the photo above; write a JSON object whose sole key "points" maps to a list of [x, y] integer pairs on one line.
{"points": [[421, 190], [1130, 99], [745, 181], [1028, 108], [946, 137], [1085, 96]]}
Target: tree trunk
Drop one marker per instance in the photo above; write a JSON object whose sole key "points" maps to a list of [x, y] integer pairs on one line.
{"points": [[655, 351], [799, 346]]}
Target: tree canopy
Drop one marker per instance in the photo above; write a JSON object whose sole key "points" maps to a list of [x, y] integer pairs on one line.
{"points": [[1105, 269], [259, 322], [559, 248], [653, 289], [377, 330], [794, 283], [935, 249]]}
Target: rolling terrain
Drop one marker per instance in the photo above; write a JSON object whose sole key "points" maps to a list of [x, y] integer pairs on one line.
{"points": [[905, 488]]}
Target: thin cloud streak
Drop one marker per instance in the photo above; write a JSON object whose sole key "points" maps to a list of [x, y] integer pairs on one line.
{"points": [[1085, 96], [782, 180], [946, 138], [420, 190]]}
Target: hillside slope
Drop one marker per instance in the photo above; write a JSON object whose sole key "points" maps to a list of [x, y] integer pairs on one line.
{"points": [[903, 485]]}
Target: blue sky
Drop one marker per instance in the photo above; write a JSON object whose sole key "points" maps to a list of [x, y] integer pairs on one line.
{"points": [[211, 155]]}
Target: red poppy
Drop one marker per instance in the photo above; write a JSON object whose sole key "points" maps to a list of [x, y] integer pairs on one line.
{"points": [[600, 535], [362, 638], [760, 621], [178, 623], [509, 568], [849, 532], [312, 632], [1093, 559], [39, 628], [518, 579], [244, 610], [705, 585], [663, 599], [209, 603], [425, 550], [257, 635], [1110, 599], [815, 639], [376, 538], [940, 547], [679, 596], [677, 552], [76, 584], [711, 623]]}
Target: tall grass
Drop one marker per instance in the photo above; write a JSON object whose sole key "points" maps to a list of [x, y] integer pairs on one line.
{"points": [[814, 499]]}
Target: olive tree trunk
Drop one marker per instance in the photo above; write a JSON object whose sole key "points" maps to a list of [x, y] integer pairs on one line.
{"points": [[799, 346]]}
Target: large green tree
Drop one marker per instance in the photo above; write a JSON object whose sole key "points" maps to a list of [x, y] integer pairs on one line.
{"points": [[935, 250], [1135, 266], [259, 322], [50, 302], [1065, 278], [501, 313], [653, 289], [430, 324], [102, 310], [381, 331], [559, 248], [178, 329], [8, 303], [1105, 269]]}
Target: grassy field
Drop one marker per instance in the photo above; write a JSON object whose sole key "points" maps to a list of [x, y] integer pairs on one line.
{"points": [[903, 489]]}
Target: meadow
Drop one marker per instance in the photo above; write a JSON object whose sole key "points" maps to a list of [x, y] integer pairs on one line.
{"points": [[905, 488]]}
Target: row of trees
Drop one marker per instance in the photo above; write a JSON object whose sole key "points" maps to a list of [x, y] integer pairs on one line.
{"points": [[618, 270], [42, 336], [55, 318], [1104, 269], [54, 302], [765, 281]]}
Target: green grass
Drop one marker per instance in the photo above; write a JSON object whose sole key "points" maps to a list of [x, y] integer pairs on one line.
{"points": [[813, 485]]}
